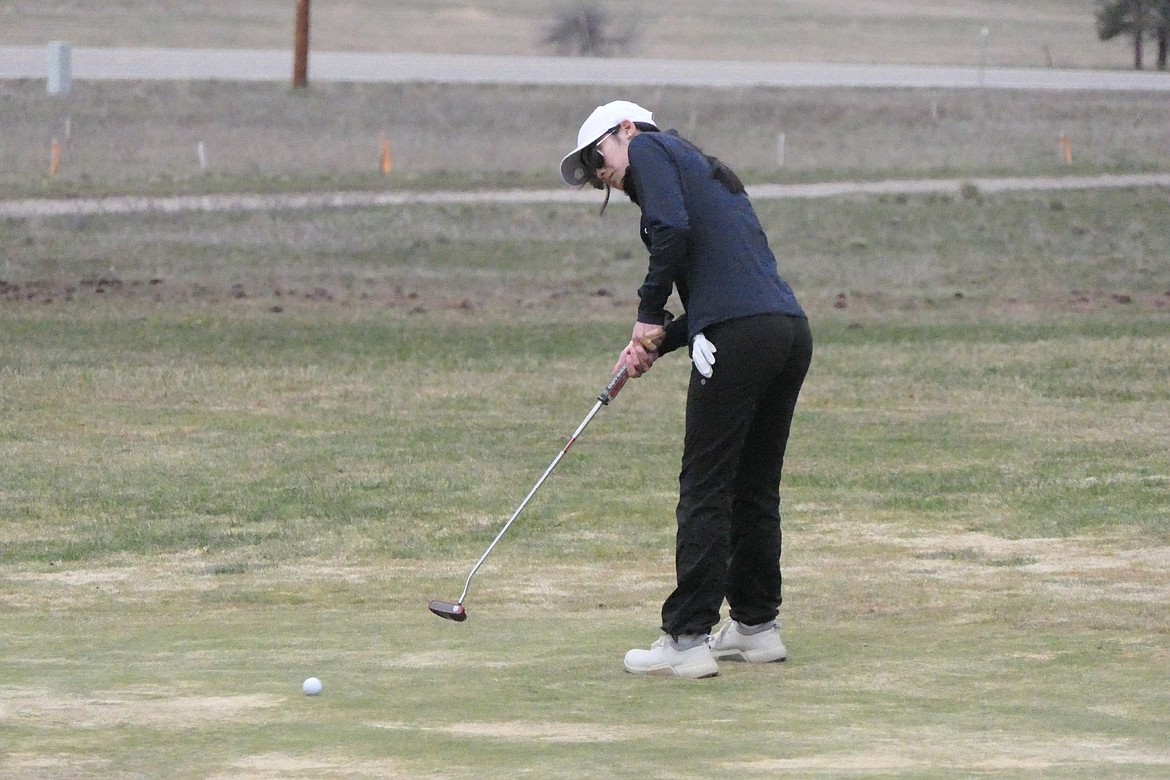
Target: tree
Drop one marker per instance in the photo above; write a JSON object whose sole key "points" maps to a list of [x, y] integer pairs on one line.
{"points": [[1162, 31], [1136, 18], [585, 29]]}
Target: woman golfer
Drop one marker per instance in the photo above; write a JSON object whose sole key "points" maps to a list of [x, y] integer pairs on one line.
{"points": [[751, 347]]}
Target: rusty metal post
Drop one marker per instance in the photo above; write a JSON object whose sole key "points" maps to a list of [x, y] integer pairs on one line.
{"points": [[301, 52]]}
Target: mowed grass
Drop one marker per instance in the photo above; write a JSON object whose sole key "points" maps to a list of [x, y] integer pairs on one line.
{"points": [[1040, 33], [240, 450]]}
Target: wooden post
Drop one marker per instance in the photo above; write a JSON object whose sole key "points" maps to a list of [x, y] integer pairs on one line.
{"points": [[301, 51]]}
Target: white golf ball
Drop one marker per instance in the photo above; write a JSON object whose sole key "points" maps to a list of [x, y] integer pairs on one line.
{"points": [[311, 686]]}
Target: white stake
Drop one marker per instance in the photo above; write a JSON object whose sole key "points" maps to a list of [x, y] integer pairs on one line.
{"points": [[201, 152], [60, 78], [984, 35]]}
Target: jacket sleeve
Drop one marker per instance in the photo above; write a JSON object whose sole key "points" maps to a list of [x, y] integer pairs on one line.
{"points": [[676, 335], [665, 225]]}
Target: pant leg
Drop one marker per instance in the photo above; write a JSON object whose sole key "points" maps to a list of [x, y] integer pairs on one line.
{"points": [[715, 432], [721, 413], [754, 577]]}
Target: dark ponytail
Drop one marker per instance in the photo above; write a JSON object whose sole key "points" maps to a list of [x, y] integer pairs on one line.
{"points": [[720, 171]]}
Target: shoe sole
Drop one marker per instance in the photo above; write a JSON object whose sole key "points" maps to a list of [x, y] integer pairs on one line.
{"points": [[740, 656], [704, 672]]}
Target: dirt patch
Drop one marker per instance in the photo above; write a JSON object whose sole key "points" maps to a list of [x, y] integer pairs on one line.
{"points": [[153, 708], [1074, 567], [1081, 570], [275, 297], [43, 765], [61, 584], [995, 752], [282, 765], [453, 296], [566, 733], [444, 659], [278, 298]]}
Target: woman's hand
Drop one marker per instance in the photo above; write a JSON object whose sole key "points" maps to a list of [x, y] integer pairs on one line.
{"points": [[640, 354]]}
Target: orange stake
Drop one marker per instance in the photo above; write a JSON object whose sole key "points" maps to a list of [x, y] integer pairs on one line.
{"points": [[54, 157], [385, 161]]}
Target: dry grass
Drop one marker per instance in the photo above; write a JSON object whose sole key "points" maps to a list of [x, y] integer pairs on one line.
{"points": [[1039, 33], [143, 137]]}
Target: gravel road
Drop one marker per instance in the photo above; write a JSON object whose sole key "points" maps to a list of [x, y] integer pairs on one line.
{"points": [[31, 62], [40, 207]]}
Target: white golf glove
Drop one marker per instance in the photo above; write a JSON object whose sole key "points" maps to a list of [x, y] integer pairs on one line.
{"points": [[703, 355]]}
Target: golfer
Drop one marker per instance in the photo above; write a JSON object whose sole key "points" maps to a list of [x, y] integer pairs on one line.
{"points": [[750, 346]]}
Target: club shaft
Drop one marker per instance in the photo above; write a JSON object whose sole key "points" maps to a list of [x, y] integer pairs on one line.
{"points": [[601, 401]]}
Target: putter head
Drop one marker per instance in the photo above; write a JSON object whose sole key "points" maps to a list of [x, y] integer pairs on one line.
{"points": [[445, 609]]}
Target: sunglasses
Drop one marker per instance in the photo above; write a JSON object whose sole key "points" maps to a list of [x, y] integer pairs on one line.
{"points": [[591, 156]]}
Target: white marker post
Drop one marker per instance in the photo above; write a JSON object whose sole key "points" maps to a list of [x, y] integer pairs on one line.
{"points": [[60, 68], [984, 36]]}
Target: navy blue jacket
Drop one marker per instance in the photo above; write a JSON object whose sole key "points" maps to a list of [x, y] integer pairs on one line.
{"points": [[704, 240]]}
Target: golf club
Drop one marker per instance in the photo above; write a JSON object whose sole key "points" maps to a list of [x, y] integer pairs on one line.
{"points": [[454, 610]]}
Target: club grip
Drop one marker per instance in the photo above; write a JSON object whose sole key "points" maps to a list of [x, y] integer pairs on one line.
{"points": [[616, 383], [619, 378]]}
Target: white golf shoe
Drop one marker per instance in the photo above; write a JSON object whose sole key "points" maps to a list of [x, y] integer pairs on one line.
{"points": [[760, 648], [664, 659]]}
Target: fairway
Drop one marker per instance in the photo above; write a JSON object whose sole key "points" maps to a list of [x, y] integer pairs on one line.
{"points": [[242, 450]]}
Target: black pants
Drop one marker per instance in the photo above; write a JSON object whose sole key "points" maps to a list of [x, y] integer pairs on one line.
{"points": [[728, 540]]}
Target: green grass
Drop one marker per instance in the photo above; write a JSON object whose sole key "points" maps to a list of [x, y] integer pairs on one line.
{"points": [[974, 568], [260, 466]]}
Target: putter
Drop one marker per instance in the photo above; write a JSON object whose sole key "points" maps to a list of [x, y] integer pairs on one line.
{"points": [[454, 610]]}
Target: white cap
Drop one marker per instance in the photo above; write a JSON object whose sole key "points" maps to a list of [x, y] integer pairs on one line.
{"points": [[602, 120]]}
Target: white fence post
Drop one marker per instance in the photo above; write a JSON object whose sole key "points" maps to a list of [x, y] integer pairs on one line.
{"points": [[60, 68]]}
